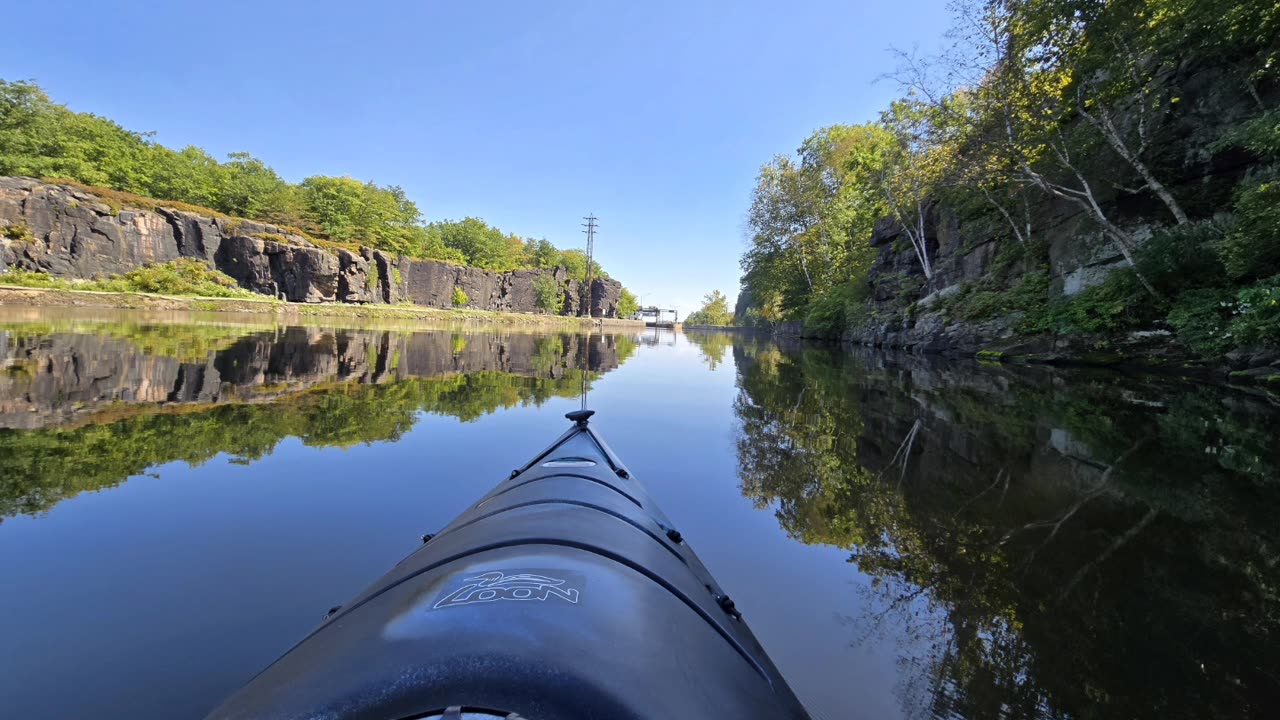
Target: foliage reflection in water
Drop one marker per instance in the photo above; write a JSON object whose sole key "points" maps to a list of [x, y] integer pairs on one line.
{"points": [[1043, 544], [87, 405]]}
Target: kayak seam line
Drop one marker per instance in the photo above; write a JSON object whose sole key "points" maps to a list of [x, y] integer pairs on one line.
{"points": [[577, 503], [597, 481], [733, 642]]}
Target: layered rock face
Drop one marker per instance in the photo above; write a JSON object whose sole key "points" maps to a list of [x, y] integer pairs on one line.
{"points": [[1079, 257], [68, 232]]}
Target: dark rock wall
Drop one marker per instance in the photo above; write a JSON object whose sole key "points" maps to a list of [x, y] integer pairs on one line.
{"points": [[72, 233], [1078, 258]]}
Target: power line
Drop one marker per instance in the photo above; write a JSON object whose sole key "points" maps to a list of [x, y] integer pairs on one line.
{"points": [[590, 224]]}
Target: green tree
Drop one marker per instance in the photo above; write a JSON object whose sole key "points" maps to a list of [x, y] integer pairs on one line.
{"points": [[190, 175], [479, 243], [627, 304], [42, 139], [714, 311], [349, 210], [252, 189], [541, 254], [811, 219], [548, 295]]}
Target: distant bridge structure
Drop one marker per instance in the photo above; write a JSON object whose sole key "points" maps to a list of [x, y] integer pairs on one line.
{"points": [[654, 316]]}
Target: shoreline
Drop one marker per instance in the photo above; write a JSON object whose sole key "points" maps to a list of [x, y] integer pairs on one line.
{"points": [[1140, 352], [16, 296]]}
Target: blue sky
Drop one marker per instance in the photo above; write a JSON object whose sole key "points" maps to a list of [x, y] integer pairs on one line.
{"points": [[654, 115]]}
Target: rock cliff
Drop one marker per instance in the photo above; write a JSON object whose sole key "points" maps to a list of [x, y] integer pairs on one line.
{"points": [[906, 312], [69, 232]]}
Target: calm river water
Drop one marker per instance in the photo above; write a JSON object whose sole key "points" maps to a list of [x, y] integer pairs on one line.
{"points": [[184, 498]]}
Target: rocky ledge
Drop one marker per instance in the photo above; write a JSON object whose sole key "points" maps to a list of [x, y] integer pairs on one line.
{"points": [[69, 232]]}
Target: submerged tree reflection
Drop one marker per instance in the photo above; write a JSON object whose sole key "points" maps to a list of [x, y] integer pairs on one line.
{"points": [[1042, 544]]}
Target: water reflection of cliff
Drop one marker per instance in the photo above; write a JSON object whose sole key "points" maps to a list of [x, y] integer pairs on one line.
{"points": [[82, 411], [1044, 544]]}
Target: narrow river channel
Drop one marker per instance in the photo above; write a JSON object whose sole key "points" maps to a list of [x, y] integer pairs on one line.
{"points": [[182, 498]]}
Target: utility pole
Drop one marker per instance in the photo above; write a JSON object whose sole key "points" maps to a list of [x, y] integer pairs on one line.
{"points": [[590, 226]]}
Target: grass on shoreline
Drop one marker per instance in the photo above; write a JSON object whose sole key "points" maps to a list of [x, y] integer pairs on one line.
{"points": [[257, 304], [184, 276]]}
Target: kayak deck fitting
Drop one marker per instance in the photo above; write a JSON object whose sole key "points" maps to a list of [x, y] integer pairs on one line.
{"points": [[564, 593]]}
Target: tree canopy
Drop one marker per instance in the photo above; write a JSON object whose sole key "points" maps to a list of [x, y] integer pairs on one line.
{"points": [[714, 311]]}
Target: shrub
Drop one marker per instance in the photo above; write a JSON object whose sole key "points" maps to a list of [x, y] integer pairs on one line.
{"points": [[18, 232], [1028, 295], [185, 276], [1202, 320], [826, 317], [460, 297], [547, 294], [829, 315], [1257, 319], [1117, 304], [27, 278], [1184, 257], [1251, 249]]}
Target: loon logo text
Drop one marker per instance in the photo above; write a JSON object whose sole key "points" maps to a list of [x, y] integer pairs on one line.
{"points": [[493, 586]]}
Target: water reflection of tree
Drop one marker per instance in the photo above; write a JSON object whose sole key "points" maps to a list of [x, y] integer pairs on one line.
{"points": [[1041, 548], [713, 345]]}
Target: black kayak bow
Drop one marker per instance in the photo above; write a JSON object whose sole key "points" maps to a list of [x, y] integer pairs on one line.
{"points": [[564, 593]]}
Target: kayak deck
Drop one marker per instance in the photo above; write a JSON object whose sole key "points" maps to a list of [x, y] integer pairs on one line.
{"points": [[563, 593]]}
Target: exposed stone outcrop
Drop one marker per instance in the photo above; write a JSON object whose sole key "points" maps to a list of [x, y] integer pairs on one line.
{"points": [[905, 309], [69, 232], [282, 270], [606, 293], [72, 233], [354, 284]]}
